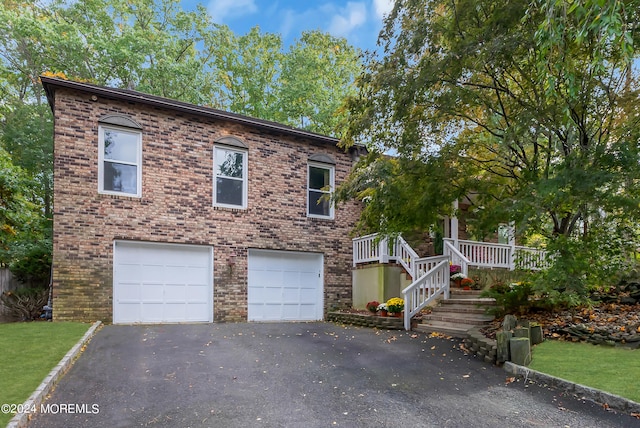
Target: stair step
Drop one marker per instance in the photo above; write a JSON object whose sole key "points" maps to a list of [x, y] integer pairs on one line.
{"points": [[483, 301], [459, 308], [448, 328], [457, 293], [472, 319]]}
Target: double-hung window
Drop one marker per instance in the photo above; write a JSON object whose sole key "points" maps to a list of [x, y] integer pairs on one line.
{"points": [[119, 161], [230, 181], [319, 188]]}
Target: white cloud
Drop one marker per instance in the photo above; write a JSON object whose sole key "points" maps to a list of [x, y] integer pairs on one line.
{"points": [[382, 7], [221, 9], [348, 18]]}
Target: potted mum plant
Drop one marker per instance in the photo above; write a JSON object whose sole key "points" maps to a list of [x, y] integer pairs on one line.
{"points": [[457, 278], [395, 305], [382, 308], [466, 283], [373, 306]]}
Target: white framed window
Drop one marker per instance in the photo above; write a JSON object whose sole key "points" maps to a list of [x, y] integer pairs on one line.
{"points": [[230, 177], [320, 184], [119, 161]]}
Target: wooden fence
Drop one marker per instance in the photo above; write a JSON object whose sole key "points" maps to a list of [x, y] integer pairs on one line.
{"points": [[7, 283]]}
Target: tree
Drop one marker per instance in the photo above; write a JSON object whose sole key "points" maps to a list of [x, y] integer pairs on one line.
{"points": [[531, 106], [318, 72], [15, 209]]}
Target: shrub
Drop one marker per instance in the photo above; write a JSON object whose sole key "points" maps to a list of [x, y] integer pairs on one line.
{"points": [[513, 298], [25, 303], [32, 263]]}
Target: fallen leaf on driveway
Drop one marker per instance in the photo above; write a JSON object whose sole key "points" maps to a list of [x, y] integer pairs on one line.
{"points": [[510, 380]]}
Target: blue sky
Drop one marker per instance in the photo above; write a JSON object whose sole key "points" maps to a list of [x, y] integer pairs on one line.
{"points": [[359, 21]]}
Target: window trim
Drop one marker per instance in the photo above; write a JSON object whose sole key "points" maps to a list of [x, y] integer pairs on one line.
{"points": [[101, 160], [332, 177], [245, 179]]}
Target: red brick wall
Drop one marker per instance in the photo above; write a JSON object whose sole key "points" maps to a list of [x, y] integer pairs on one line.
{"points": [[176, 205]]}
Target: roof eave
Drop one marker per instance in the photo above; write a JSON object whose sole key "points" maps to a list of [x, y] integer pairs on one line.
{"points": [[50, 83]]}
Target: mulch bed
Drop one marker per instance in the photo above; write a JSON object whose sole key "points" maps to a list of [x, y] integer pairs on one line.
{"points": [[609, 324]]}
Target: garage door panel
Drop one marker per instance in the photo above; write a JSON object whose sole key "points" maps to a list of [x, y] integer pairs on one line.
{"points": [[151, 293], [175, 293], [152, 311], [308, 278], [130, 292], [270, 278], [307, 295], [156, 283], [197, 294], [285, 286], [291, 278]]}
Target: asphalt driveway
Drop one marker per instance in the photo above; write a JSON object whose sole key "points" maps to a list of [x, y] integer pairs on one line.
{"points": [[297, 375]]}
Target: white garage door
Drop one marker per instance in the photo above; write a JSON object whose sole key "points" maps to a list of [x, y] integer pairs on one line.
{"points": [[285, 286], [162, 283]]}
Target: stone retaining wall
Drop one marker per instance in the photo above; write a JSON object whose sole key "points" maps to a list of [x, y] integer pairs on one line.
{"points": [[481, 346], [365, 320]]}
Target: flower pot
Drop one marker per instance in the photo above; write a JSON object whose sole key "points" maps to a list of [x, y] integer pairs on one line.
{"points": [[383, 313], [397, 314]]}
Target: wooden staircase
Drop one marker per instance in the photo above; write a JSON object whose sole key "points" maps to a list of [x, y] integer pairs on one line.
{"points": [[464, 310]]}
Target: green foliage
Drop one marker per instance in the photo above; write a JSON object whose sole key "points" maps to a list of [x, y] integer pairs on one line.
{"points": [[485, 278], [511, 298], [31, 262], [599, 259], [529, 108], [17, 214]]}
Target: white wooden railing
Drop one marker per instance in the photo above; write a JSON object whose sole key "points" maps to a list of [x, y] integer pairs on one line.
{"points": [[406, 256], [532, 258], [492, 255], [426, 289], [375, 248], [455, 257], [430, 275]]}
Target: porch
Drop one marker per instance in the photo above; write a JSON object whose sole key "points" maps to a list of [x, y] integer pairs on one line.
{"points": [[428, 277]]}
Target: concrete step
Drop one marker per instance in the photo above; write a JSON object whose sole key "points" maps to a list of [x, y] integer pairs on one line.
{"points": [[462, 318], [448, 328], [448, 307], [458, 293], [470, 301]]}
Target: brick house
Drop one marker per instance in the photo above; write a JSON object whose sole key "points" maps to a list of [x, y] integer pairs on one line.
{"points": [[170, 212]]}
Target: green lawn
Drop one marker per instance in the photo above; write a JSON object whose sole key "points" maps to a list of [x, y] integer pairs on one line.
{"points": [[28, 352], [614, 370]]}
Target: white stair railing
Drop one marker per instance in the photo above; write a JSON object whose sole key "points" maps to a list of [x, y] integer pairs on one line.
{"points": [[425, 264], [406, 256], [455, 256], [425, 290]]}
